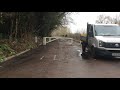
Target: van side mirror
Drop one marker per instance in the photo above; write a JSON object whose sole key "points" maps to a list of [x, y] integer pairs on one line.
{"points": [[90, 34]]}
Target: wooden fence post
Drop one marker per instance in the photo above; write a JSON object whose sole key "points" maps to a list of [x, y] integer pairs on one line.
{"points": [[44, 40]]}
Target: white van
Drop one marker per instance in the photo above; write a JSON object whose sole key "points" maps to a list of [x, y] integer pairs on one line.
{"points": [[103, 40]]}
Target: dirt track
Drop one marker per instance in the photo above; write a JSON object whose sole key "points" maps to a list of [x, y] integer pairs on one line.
{"points": [[58, 59]]}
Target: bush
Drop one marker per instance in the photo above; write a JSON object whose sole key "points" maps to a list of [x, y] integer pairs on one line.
{"points": [[2, 58], [5, 51]]}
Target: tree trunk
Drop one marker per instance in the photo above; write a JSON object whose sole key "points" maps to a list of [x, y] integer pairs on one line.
{"points": [[11, 33], [16, 29], [1, 17]]}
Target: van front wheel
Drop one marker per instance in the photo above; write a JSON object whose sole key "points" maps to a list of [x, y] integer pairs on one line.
{"points": [[93, 53]]}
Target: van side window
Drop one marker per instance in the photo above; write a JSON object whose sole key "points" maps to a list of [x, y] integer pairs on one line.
{"points": [[90, 31]]}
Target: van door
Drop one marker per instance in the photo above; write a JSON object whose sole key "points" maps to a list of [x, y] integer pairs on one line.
{"points": [[90, 35]]}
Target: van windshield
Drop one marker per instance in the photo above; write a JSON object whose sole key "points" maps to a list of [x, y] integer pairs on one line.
{"points": [[101, 30]]}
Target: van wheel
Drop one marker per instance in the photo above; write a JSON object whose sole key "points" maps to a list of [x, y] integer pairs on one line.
{"points": [[93, 53]]}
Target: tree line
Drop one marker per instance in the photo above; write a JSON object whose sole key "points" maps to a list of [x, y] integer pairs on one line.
{"points": [[108, 19], [17, 25]]}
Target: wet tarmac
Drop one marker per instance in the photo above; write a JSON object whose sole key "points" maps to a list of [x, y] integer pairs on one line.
{"points": [[59, 59]]}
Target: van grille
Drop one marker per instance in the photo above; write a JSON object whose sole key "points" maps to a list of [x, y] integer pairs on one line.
{"points": [[114, 51], [112, 45]]}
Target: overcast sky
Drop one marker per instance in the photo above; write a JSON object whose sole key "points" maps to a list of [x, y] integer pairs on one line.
{"points": [[80, 19]]}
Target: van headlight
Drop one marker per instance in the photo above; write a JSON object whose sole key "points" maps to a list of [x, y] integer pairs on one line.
{"points": [[101, 43]]}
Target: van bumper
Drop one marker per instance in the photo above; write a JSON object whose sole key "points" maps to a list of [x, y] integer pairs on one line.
{"points": [[105, 53]]}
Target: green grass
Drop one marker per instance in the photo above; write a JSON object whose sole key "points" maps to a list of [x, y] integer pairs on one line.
{"points": [[5, 51]]}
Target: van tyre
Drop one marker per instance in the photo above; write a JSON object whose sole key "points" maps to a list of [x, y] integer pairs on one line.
{"points": [[93, 53]]}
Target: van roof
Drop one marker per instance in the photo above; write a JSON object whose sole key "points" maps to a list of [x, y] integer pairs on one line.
{"points": [[107, 24]]}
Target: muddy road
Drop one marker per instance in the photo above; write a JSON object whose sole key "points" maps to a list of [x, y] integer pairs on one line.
{"points": [[59, 59]]}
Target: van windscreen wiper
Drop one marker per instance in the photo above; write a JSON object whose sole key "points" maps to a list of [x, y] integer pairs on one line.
{"points": [[109, 35]]}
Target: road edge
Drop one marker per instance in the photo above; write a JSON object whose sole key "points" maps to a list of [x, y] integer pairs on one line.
{"points": [[18, 54], [10, 57]]}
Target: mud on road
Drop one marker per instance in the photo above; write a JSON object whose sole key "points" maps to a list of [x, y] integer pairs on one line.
{"points": [[59, 59]]}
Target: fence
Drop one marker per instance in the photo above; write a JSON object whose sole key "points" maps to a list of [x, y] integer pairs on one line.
{"points": [[50, 39]]}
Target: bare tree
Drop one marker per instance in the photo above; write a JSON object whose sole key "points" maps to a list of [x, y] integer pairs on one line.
{"points": [[104, 19], [108, 19], [116, 20], [101, 19]]}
